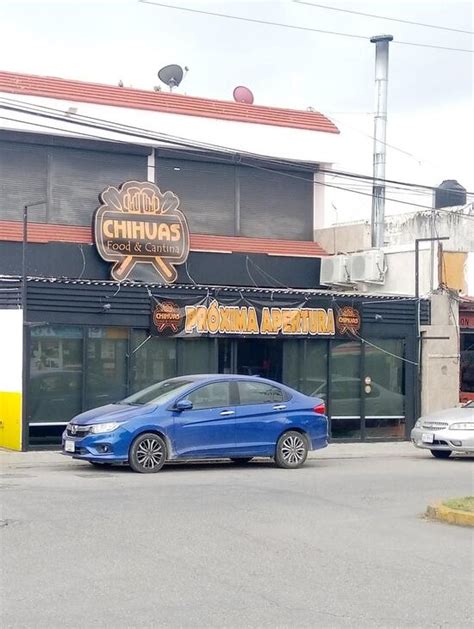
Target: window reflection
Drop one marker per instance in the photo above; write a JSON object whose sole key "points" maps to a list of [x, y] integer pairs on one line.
{"points": [[152, 360], [55, 391], [197, 356], [344, 401], [106, 373]]}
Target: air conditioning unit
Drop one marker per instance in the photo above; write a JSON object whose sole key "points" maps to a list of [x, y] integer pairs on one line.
{"points": [[334, 270], [368, 266]]}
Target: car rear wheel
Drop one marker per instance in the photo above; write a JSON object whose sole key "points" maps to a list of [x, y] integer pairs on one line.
{"points": [[291, 450], [441, 454], [242, 461], [147, 453]]}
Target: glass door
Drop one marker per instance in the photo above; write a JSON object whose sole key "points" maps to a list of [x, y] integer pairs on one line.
{"points": [[384, 388], [344, 390]]}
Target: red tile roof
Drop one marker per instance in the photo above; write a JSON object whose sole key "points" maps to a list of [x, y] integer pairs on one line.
{"points": [[42, 232], [100, 94]]}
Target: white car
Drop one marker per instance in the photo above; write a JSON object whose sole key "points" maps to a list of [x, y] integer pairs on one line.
{"points": [[445, 432]]}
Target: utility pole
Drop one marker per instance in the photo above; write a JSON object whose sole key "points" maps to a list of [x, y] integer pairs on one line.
{"points": [[380, 130]]}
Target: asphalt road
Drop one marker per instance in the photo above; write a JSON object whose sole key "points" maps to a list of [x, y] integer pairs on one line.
{"points": [[338, 543]]}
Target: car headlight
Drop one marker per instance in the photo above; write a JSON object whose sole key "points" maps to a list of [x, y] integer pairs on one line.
{"points": [[100, 428], [462, 426]]}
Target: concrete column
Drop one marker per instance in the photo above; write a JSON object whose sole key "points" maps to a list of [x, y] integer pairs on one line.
{"points": [[440, 358]]}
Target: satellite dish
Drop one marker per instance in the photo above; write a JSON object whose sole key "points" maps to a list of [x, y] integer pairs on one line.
{"points": [[171, 75], [242, 94]]}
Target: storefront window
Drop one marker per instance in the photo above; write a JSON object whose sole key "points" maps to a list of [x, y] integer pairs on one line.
{"points": [[305, 366], [384, 388], [106, 371], [344, 403], [315, 368], [152, 360], [291, 363], [55, 390], [197, 356], [467, 362]]}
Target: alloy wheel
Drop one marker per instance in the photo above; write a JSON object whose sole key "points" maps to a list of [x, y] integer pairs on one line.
{"points": [[293, 450], [150, 453]]}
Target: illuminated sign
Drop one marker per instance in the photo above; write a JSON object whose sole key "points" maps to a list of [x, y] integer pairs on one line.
{"points": [[168, 318], [348, 320], [137, 224]]}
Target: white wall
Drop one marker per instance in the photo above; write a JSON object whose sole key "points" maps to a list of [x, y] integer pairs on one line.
{"points": [[400, 275], [403, 229], [11, 350], [279, 142]]}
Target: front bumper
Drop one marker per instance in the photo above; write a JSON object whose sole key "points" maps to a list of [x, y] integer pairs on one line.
{"points": [[445, 439], [109, 447]]}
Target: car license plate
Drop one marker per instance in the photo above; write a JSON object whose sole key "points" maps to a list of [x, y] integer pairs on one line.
{"points": [[427, 437], [69, 445]]}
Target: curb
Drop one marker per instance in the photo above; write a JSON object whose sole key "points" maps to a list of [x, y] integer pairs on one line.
{"points": [[440, 512]]}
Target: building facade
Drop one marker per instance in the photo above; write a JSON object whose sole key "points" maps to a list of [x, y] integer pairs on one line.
{"points": [[145, 259]]}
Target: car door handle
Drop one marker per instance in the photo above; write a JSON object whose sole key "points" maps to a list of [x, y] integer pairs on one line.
{"points": [[279, 407], [224, 413]]}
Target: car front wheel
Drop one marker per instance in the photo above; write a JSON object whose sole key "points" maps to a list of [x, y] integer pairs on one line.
{"points": [[147, 454], [441, 454], [291, 450]]}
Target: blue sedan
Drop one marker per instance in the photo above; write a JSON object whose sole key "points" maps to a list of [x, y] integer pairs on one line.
{"points": [[201, 417]]}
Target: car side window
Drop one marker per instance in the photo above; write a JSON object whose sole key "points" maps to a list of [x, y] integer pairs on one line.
{"points": [[212, 395], [261, 393]]}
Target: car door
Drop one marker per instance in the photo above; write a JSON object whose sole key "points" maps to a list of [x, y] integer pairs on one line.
{"points": [[208, 428], [262, 412]]}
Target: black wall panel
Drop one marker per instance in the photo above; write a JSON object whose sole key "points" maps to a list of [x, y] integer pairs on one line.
{"points": [[237, 269], [23, 180], [78, 176], [276, 205], [69, 180], [206, 192]]}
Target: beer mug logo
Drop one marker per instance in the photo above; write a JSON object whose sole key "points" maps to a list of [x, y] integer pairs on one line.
{"points": [[138, 224]]}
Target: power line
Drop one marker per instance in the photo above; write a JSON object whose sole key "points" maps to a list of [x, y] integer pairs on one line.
{"points": [[110, 126], [370, 178], [127, 130], [293, 26], [383, 17]]}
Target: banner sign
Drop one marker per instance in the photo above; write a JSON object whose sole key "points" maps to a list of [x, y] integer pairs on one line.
{"points": [[137, 224], [211, 317]]}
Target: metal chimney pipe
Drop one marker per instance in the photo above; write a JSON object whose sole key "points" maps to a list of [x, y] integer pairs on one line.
{"points": [[380, 130]]}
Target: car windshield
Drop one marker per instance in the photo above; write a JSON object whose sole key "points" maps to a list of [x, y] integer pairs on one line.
{"points": [[157, 393]]}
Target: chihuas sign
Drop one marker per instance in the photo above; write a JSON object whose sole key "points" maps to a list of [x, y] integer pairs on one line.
{"points": [[138, 224]]}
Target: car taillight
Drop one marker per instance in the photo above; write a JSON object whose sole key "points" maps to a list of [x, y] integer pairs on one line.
{"points": [[320, 409]]}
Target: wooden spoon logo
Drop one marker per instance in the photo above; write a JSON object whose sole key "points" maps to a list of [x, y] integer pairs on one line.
{"points": [[137, 224]]}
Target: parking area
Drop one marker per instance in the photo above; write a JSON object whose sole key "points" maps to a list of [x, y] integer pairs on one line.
{"points": [[338, 543]]}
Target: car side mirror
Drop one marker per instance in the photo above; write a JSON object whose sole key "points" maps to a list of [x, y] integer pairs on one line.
{"points": [[183, 405]]}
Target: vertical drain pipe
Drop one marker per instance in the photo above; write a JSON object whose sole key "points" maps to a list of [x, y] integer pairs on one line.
{"points": [[380, 128]]}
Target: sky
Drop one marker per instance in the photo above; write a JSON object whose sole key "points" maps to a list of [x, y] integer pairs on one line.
{"points": [[430, 104]]}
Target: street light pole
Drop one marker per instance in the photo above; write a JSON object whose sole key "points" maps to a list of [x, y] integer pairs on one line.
{"points": [[24, 305]]}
